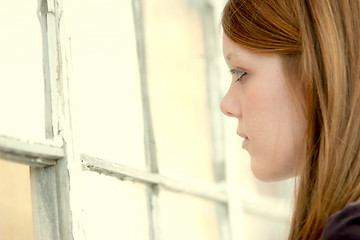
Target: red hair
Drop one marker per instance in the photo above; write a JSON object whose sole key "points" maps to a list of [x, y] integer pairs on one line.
{"points": [[319, 42]]}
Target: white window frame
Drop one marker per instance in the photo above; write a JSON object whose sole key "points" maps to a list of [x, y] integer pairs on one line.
{"points": [[50, 159]]}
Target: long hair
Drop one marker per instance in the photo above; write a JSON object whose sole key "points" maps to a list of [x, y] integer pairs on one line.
{"points": [[319, 42]]}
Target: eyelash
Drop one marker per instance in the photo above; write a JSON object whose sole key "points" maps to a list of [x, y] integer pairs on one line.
{"points": [[239, 73]]}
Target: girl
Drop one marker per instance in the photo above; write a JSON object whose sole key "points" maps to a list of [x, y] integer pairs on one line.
{"points": [[296, 95]]}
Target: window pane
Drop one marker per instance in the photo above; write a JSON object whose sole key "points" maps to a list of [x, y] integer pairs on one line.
{"points": [[114, 209], [176, 73], [107, 85], [15, 201], [262, 228], [21, 70], [187, 217]]}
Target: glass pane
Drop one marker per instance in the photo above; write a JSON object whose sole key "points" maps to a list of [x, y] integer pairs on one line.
{"points": [[15, 201], [187, 217], [114, 209], [107, 84], [21, 70], [261, 228], [176, 74]]}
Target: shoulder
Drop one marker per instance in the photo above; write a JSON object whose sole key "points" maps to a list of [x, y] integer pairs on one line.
{"points": [[344, 224]]}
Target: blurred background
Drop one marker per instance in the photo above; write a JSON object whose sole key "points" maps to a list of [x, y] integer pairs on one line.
{"points": [[128, 57]]}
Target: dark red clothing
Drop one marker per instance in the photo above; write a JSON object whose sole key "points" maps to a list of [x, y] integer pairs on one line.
{"points": [[343, 225]]}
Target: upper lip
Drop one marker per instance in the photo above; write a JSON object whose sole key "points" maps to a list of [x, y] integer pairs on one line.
{"points": [[241, 134]]}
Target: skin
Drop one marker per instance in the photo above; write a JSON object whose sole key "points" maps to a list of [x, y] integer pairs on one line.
{"points": [[267, 117]]}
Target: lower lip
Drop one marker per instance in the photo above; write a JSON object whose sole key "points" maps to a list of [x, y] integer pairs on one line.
{"points": [[245, 142]]}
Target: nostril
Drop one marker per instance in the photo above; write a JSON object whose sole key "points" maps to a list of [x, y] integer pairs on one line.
{"points": [[229, 114]]}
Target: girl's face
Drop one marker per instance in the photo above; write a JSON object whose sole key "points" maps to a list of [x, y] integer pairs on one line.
{"points": [[259, 98]]}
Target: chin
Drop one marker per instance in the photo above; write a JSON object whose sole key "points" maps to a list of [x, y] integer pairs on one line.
{"points": [[267, 173]]}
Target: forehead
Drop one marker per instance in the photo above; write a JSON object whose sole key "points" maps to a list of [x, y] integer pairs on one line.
{"points": [[232, 51], [235, 54]]}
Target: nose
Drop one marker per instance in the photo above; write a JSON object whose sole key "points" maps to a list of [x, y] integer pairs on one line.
{"points": [[230, 105]]}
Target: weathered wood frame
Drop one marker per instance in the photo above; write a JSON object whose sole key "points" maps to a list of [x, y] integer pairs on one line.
{"points": [[52, 160]]}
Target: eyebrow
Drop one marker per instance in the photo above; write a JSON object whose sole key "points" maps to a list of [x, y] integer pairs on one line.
{"points": [[228, 56], [240, 59]]}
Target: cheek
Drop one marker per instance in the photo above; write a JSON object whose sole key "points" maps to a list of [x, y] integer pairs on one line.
{"points": [[271, 121], [262, 111]]}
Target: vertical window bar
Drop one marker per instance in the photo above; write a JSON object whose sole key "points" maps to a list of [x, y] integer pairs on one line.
{"points": [[149, 141], [43, 182], [216, 123], [50, 185]]}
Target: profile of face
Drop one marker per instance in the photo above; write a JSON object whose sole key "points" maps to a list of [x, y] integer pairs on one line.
{"points": [[268, 120]]}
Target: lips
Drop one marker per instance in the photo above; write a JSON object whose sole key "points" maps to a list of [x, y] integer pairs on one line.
{"points": [[246, 139], [245, 142]]}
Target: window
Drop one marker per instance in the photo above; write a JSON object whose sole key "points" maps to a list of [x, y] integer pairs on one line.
{"points": [[127, 139], [15, 201]]}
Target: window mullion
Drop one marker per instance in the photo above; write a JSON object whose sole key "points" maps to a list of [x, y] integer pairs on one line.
{"points": [[53, 215], [204, 190], [150, 145], [43, 182], [38, 154]]}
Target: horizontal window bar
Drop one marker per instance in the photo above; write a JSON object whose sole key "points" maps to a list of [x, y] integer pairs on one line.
{"points": [[209, 191], [261, 206], [34, 153]]}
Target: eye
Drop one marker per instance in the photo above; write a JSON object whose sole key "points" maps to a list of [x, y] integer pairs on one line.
{"points": [[240, 74]]}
